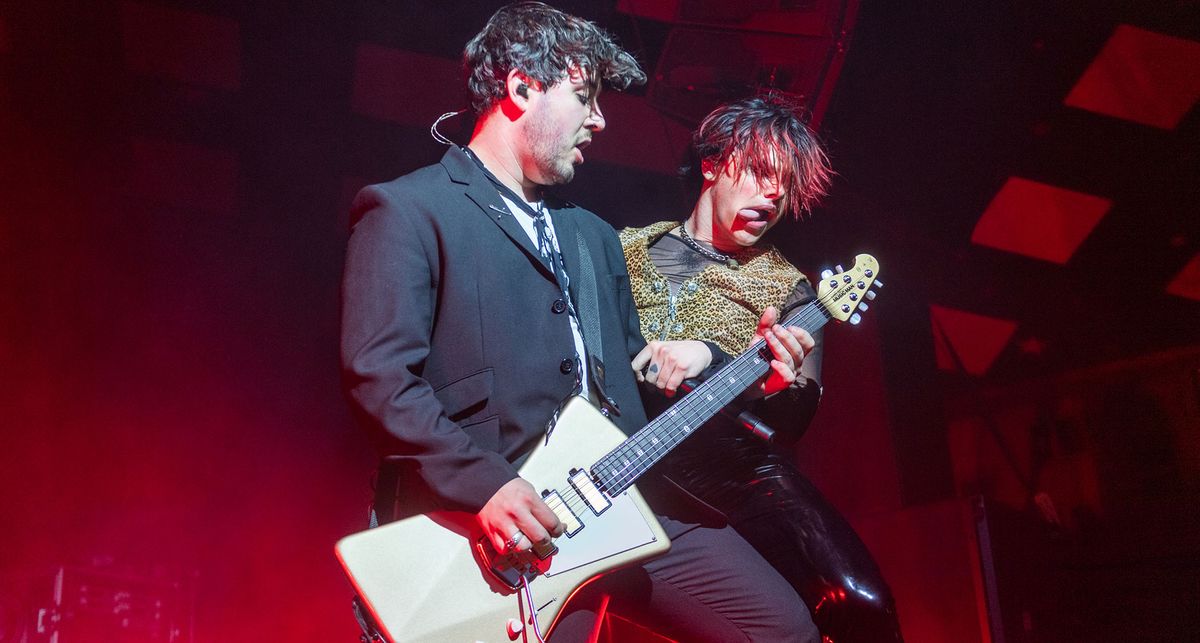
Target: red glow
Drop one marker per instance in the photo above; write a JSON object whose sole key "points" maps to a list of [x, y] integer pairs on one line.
{"points": [[1038, 220], [976, 339], [190, 47], [927, 554], [1187, 282], [1141, 76]]}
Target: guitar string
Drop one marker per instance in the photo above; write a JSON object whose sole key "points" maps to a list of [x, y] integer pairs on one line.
{"points": [[812, 317], [749, 361], [579, 506], [745, 364]]}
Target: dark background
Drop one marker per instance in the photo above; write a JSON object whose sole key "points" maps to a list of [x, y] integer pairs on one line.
{"points": [[174, 180]]}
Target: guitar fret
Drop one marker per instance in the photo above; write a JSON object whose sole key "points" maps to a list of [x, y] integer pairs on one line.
{"points": [[660, 436]]}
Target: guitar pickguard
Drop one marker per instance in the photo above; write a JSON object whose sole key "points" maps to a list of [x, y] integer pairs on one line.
{"points": [[423, 578]]}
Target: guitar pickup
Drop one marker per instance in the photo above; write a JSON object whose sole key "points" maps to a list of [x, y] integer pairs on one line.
{"points": [[583, 485], [567, 517]]}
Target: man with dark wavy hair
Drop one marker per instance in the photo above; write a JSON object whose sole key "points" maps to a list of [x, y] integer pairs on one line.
{"points": [[461, 333], [711, 277]]}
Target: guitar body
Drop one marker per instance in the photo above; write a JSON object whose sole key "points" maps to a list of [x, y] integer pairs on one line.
{"points": [[431, 578], [427, 579]]}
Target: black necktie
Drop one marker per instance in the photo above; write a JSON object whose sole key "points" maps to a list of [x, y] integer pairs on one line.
{"points": [[548, 250]]}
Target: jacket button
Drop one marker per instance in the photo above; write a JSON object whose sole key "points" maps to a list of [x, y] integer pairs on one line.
{"points": [[566, 366], [558, 306]]}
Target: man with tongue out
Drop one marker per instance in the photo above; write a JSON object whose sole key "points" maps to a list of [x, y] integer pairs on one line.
{"points": [[712, 278]]}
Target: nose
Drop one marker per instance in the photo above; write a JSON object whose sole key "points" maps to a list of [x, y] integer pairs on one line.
{"points": [[595, 119], [770, 191]]}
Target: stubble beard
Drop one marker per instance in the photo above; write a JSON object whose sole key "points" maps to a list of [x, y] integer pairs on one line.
{"points": [[547, 146]]}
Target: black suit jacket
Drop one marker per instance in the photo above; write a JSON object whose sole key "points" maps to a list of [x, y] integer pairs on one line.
{"points": [[453, 349]]}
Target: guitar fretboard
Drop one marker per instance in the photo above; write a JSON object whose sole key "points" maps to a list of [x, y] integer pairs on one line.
{"points": [[621, 467]]}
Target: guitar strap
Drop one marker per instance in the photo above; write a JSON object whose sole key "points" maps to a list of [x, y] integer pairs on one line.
{"points": [[589, 319]]}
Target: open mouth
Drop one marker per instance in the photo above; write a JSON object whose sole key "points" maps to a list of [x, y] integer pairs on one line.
{"points": [[763, 213], [756, 219], [579, 147]]}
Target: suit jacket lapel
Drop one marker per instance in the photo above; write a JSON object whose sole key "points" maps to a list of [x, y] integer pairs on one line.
{"points": [[480, 190]]}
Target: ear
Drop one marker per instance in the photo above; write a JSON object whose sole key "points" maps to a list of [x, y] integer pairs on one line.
{"points": [[708, 169], [518, 86]]}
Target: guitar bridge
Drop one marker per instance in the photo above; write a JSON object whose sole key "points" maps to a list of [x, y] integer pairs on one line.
{"points": [[507, 568]]}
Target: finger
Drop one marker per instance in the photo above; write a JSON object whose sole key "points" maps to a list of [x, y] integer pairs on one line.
{"points": [[507, 539], [650, 376], [674, 379], [794, 349], [785, 373], [642, 358], [768, 319], [668, 385], [779, 378], [548, 519], [533, 530], [777, 348], [807, 341], [667, 375]]}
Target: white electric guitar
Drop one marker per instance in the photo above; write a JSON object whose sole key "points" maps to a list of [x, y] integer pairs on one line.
{"points": [[436, 577]]}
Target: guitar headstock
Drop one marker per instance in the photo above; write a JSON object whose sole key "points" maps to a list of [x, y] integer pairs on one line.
{"points": [[843, 294]]}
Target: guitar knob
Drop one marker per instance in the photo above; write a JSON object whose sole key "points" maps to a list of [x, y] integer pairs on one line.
{"points": [[514, 627]]}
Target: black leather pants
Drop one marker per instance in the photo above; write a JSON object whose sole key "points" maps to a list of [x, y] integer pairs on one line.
{"points": [[783, 516]]}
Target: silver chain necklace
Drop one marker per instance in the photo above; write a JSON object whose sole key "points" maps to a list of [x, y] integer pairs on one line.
{"points": [[711, 254]]}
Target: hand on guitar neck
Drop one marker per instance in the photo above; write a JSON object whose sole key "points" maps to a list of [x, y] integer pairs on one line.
{"points": [[515, 518], [788, 345], [666, 364]]}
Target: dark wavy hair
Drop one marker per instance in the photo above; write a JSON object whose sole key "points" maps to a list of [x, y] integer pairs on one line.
{"points": [[543, 43], [765, 135]]}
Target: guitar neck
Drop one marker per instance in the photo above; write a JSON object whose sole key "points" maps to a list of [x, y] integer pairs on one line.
{"points": [[621, 467]]}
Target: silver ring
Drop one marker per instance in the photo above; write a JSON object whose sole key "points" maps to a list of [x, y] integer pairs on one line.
{"points": [[512, 542]]}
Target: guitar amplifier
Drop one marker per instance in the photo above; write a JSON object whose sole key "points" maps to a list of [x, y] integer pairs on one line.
{"points": [[90, 605]]}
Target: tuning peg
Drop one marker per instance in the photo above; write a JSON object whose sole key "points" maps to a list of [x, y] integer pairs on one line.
{"points": [[870, 295], [838, 268], [878, 284], [826, 273], [855, 318], [863, 306]]}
